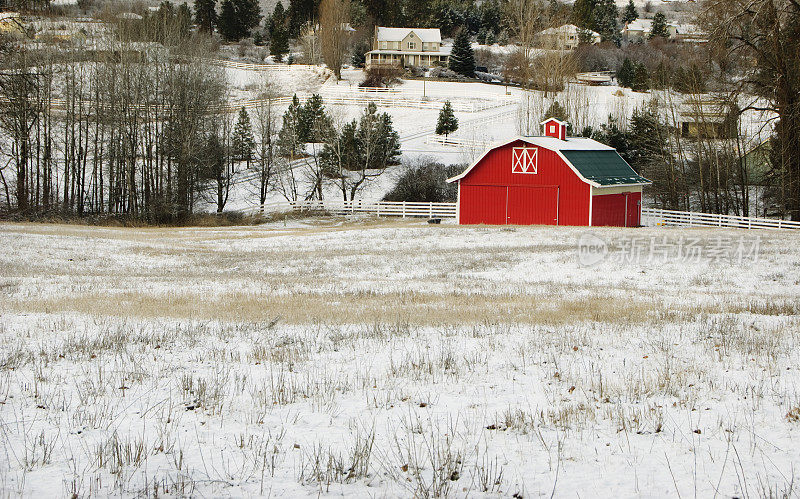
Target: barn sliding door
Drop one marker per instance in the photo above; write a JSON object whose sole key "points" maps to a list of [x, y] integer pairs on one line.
{"points": [[483, 204], [533, 205]]}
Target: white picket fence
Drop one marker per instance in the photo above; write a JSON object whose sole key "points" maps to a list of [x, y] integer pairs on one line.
{"points": [[379, 208], [687, 218]]}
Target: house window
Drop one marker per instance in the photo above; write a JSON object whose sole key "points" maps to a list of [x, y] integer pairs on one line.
{"points": [[524, 160], [412, 46], [383, 45]]}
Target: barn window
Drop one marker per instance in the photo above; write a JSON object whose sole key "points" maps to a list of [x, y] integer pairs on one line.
{"points": [[523, 160]]}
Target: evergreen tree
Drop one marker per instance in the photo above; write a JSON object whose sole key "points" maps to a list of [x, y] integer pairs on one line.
{"points": [[641, 79], [249, 12], [243, 141], [183, 21], [583, 14], [448, 123], [237, 18], [626, 73], [630, 13], [377, 140], [228, 21], [462, 59], [605, 21], [659, 27], [205, 15], [314, 123], [290, 143], [300, 13], [278, 33]]}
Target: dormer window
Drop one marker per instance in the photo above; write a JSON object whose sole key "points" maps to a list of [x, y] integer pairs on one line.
{"points": [[412, 46]]}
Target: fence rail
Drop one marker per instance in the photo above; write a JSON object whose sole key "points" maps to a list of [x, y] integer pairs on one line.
{"points": [[479, 145], [380, 208], [688, 218]]}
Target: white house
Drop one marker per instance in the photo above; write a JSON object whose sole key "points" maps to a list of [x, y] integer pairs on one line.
{"points": [[566, 37], [406, 47]]}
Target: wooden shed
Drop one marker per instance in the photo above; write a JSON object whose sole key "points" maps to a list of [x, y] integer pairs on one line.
{"points": [[550, 180]]}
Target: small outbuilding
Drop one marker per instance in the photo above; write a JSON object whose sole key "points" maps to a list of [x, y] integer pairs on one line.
{"points": [[550, 180]]}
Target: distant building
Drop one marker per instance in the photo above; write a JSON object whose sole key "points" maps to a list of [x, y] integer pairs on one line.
{"points": [[566, 37], [405, 47], [639, 29], [11, 23], [707, 116]]}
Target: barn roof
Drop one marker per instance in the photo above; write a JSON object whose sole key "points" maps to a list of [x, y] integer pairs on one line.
{"points": [[596, 163], [604, 167]]}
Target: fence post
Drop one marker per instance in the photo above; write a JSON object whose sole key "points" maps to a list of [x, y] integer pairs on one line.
{"points": [[431, 210], [404, 209]]}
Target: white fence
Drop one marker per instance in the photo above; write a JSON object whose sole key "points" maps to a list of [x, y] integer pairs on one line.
{"points": [[379, 208], [479, 145], [688, 218]]}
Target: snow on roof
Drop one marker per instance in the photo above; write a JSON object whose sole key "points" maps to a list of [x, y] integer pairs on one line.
{"points": [[441, 51], [427, 35], [640, 24], [569, 29], [602, 169]]}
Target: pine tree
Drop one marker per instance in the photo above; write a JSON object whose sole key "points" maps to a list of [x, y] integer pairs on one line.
{"points": [[249, 13], [314, 122], [205, 15], [448, 123], [228, 22], [278, 33], [183, 21], [290, 144], [462, 59], [237, 18], [605, 21], [583, 14], [630, 13], [659, 27], [243, 141], [641, 79], [625, 74]]}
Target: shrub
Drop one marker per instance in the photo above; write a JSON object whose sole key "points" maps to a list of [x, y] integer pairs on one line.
{"points": [[382, 76], [426, 182]]}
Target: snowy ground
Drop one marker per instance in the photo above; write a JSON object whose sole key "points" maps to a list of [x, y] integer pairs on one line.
{"points": [[392, 358]]}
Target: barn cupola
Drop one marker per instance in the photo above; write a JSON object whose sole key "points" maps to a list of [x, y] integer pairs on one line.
{"points": [[555, 128]]}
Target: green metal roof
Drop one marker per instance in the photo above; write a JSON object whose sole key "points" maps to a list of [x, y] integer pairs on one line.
{"points": [[604, 167]]}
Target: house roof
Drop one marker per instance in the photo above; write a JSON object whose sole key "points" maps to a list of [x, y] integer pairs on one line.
{"points": [[596, 164], [567, 29], [427, 35], [604, 167]]}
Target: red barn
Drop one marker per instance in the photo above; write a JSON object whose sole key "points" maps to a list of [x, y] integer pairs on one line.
{"points": [[550, 180]]}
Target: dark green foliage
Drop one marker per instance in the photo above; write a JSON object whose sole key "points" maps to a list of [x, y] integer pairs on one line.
{"points": [[633, 75], [243, 141], [689, 80], [630, 13], [370, 143], [290, 143], [448, 123], [237, 18], [605, 21], [583, 13], [626, 73], [610, 134], [641, 79], [205, 15], [360, 50], [462, 59], [314, 123], [301, 12], [659, 27], [278, 33], [426, 183]]}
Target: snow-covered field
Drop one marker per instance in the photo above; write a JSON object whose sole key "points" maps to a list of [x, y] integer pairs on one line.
{"points": [[392, 358]]}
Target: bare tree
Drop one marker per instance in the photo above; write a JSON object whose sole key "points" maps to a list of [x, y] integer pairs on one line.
{"points": [[334, 33], [266, 130]]}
